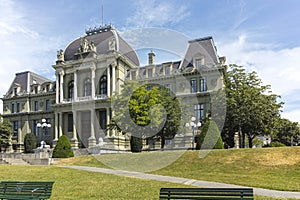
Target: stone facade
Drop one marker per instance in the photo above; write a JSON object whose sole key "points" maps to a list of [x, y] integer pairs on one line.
{"points": [[89, 72]]}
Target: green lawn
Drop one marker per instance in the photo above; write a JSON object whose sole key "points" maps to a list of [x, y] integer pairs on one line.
{"points": [[76, 184], [271, 168]]}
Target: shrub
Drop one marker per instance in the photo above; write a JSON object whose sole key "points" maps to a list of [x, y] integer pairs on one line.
{"points": [[29, 143], [63, 148], [277, 144], [136, 144], [211, 134]]}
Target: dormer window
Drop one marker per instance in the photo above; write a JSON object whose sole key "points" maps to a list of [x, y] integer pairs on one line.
{"points": [[150, 73], [35, 89], [167, 70], [133, 75], [15, 91], [198, 61]]}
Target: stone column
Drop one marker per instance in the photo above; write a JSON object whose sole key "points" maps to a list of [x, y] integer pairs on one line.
{"points": [[61, 86], [108, 81], [57, 87], [60, 133], [75, 86], [113, 75], [55, 130], [20, 142], [74, 140], [92, 138], [107, 120], [93, 82]]}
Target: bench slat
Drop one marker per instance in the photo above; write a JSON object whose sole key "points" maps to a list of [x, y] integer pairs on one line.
{"points": [[207, 193], [25, 190]]}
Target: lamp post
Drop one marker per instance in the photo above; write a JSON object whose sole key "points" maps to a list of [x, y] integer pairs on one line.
{"points": [[193, 125], [43, 125]]}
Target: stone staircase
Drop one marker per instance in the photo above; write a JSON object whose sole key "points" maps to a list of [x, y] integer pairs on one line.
{"points": [[15, 161]]}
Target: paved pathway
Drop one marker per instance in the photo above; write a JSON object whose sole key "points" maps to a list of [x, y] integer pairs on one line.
{"points": [[186, 181]]}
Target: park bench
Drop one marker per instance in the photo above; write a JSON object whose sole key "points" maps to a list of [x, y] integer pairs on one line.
{"points": [[207, 193], [25, 190]]}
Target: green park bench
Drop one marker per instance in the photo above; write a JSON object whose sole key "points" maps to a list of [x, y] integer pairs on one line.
{"points": [[25, 190], [207, 193]]}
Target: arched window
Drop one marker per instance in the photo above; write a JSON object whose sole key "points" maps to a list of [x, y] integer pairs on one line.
{"points": [[87, 87], [71, 90], [103, 85]]}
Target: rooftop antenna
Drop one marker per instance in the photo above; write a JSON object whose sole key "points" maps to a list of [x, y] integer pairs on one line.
{"points": [[102, 14]]}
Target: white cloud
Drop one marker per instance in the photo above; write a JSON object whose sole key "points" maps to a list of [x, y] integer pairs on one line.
{"points": [[277, 67], [22, 47], [157, 13]]}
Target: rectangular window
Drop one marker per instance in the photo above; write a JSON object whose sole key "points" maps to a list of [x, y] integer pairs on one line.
{"points": [[47, 130], [15, 91], [169, 86], [47, 88], [34, 127], [198, 63], [18, 107], [193, 85], [150, 73], [199, 112], [47, 105], [102, 119], [70, 123], [15, 129], [168, 70], [133, 75], [36, 106], [35, 90], [12, 108], [203, 86]]}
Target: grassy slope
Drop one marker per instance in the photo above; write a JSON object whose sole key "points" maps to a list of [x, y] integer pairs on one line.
{"points": [[78, 185], [272, 168]]}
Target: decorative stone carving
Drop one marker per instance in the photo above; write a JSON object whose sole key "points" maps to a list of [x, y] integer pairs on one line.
{"points": [[60, 55], [112, 44], [83, 45], [92, 46]]}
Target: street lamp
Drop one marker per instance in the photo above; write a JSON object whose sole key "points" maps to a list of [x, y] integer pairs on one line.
{"points": [[43, 125], [193, 125]]}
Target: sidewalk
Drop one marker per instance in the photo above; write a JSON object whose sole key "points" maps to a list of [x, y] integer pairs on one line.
{"points": [[186, 181]]}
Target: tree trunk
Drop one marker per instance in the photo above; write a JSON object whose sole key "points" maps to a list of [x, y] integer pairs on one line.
{"points": [[162, 144], [250, 141]]}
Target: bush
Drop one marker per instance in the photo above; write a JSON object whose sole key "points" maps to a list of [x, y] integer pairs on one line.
{"points": [[63, 148], [277, 144], [136, 144], [29, 143], [210, 133]]}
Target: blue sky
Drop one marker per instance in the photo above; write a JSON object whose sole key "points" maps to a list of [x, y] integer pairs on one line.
{"points": [[262, 35]]}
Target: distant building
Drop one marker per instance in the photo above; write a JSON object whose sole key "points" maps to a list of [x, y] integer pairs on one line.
{"points": [[88, 72]]}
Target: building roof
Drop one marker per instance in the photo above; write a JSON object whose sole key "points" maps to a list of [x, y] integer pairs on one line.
{"points": [[25, 79], [202, 47], [101, 38]]}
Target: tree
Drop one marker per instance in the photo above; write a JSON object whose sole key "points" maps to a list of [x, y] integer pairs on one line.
{"points": [[287, 132], [209, 137], [63, 148], [29, 143], [5, 133], [146, 111], [252, 109]]}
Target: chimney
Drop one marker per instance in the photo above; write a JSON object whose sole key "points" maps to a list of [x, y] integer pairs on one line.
{"points": [[151, 56]]}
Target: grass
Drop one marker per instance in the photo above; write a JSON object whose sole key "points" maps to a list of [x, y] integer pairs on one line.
{"points": [[271, 168], [77, 185]]}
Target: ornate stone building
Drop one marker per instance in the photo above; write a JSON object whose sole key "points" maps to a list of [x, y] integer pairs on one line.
{"points": [[89, 71]]}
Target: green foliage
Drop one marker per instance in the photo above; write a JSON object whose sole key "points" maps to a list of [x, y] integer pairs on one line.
{"points": [[29, 143], [287, 132], [209, 137], [63, 148], [252, 109], [136, 144], [5, 133], [277, 144], [146, 111]]}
